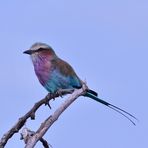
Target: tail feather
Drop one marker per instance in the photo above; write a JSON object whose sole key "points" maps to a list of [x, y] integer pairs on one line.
{"points": [[117, 109], [92, 92]]}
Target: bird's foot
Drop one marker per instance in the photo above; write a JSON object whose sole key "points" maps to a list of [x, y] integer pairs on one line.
{"points": [[60, 92], [51, 96]]}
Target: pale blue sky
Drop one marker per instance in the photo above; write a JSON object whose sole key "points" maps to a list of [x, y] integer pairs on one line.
{"points": [[105, 42]]}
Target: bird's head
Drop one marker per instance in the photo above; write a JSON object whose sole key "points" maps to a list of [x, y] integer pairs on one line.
{"points": [[40, 50]]}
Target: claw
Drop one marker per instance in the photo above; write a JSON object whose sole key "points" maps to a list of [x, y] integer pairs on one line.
{"points": [[59, 92]]}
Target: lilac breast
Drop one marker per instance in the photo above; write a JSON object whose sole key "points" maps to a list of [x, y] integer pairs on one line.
{"points": [[42, 69]]}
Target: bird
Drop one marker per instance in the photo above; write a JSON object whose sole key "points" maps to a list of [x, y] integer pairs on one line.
{"points": [[55, 74]]}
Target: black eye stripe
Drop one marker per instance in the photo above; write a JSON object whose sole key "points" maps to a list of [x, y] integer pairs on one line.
{"points": [[41, 49]]}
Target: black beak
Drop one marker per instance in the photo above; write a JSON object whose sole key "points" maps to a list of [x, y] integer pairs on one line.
{"points": [[28, 52]]}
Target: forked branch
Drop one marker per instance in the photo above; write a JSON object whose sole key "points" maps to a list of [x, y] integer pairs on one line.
{"points": [[48, 122]]}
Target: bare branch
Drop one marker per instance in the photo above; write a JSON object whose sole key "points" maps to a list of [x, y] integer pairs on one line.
{"points": [[30, 114], [51, 119]]}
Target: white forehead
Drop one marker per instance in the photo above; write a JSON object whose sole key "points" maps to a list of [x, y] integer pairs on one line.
{"points": [[38, 45]]}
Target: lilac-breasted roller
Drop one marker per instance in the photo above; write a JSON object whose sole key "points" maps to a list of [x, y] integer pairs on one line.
{"points": [[56, 74]]}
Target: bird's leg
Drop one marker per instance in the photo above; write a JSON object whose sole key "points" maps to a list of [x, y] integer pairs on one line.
{"points": [[60, 92]]}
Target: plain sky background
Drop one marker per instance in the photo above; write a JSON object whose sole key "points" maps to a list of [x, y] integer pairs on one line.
{"points": [[107, 44]]}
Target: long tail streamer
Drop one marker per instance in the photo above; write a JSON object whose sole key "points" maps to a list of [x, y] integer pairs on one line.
{"points": [[115, 108]]}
